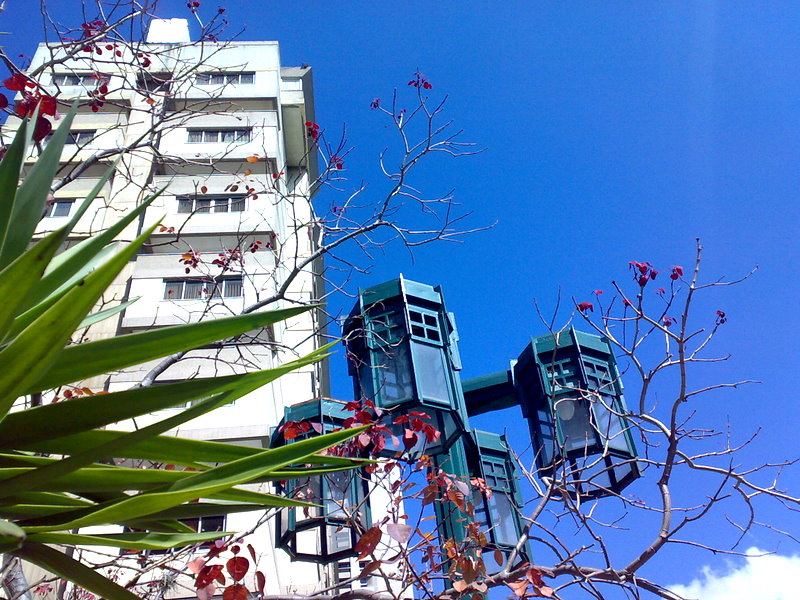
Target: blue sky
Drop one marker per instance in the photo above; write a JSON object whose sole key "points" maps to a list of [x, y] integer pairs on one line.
{"points": [[612, 132]]}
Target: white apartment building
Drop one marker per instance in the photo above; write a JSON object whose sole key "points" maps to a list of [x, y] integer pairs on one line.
{"points": [[230, 147]]}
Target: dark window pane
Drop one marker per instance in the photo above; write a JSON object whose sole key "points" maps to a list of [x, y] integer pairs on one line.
{"points": [[233, 288], [185, 205], [220, 205], [195, 137], [193, 290], [237, 204], [61, 208], [203, 205], [173, 290]]}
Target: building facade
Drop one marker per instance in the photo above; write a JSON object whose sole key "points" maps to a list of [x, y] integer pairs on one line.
{"points": [[219, 129]]}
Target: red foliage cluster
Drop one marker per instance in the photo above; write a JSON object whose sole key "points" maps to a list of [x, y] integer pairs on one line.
{"points": [[99, 95], [642, 272], [376, 102], [585, 306], [18, 82], [721, 318], [26, 106], [371, 442], [92, 28], [337, 163], [420, 81], [237, 567], [193, 6], [230, 257], [677, 271], [190, 260], [312, 130], [255, 246]]}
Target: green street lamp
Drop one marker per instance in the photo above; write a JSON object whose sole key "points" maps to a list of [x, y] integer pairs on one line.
{"points": [[498, 503], [571, 394], [327, 532], [402, 352]]}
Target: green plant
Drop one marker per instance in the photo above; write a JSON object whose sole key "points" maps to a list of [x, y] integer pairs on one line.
{"points": [[56, 469]]}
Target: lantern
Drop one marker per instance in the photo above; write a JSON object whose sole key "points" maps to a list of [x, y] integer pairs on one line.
{"points": [[571, 394], [496, 497], [401, 344], [327, 532]]}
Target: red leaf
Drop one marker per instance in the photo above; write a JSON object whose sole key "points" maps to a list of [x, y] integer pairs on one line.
{"points": [[47, 105], [518, 587], [196, 564], [16, 83], [261, 581], [203, 189], [207, 575], [399, 532], [545, 591], [369, 568], [42, 129], [252, 552], [368, 542], [584, 306], [534, 576], [235, 592], [237, 567], [207, 592], [409, 439], [3, 101]]}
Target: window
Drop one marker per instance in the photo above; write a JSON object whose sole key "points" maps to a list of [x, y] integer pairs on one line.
{"points": [[244, 78], [214, 136], [80, 137], [424, 325], [75, 79], [344, 571], [60, 207], [199, 524], [198, 289], [154, 82], [219, 204]]}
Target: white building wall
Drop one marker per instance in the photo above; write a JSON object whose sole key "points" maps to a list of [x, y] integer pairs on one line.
{"points": [[275, 107]]}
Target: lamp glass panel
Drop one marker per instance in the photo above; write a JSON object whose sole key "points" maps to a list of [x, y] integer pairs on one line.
{"points": [[504, 531], [337, 499], [307, 541], [308, 490], [609, 425], [432, 378], [393, 374], [547, 436], [339, 539], [365, 383], [577, 432]]}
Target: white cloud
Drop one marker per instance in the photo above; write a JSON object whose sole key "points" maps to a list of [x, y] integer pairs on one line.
{"points": [[772, 577]]}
